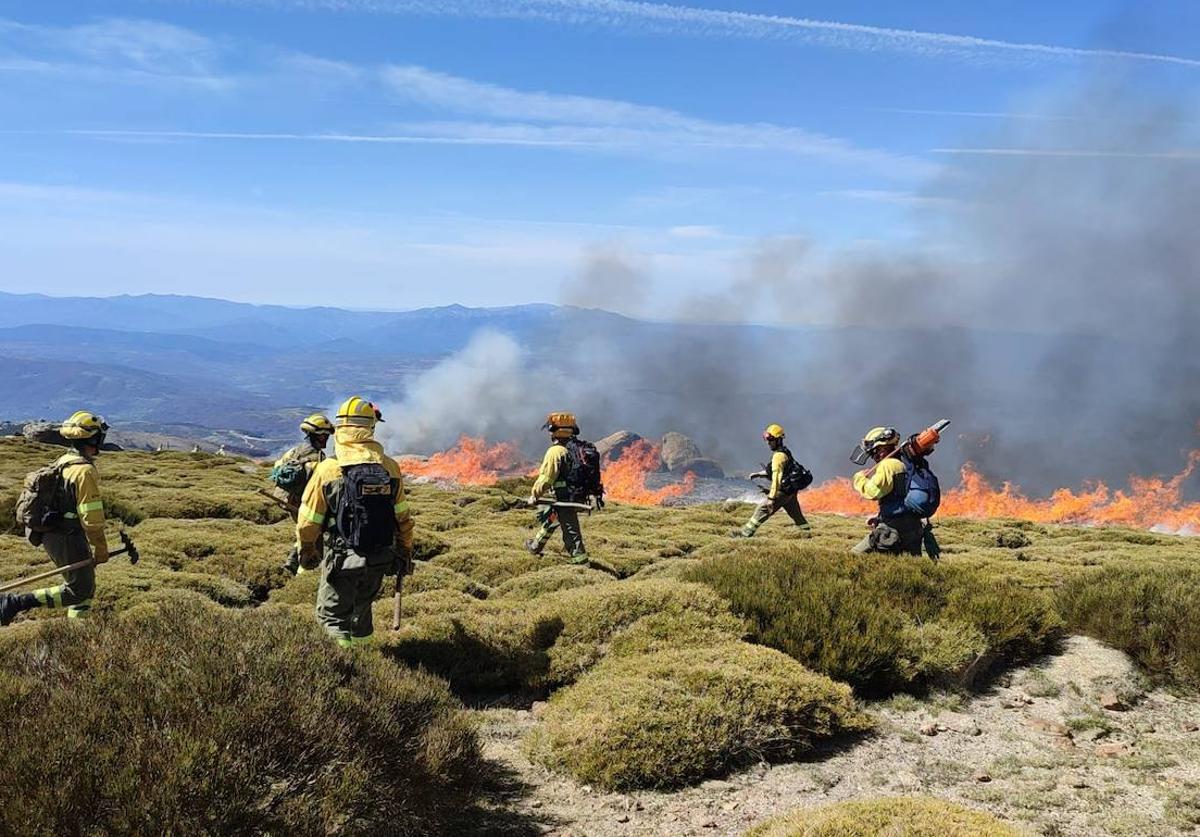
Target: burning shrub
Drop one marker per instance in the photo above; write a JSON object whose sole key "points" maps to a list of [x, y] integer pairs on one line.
{"points": [[195, 720], [1150, 612], [853, 618], [675, 717], [912, 816]]}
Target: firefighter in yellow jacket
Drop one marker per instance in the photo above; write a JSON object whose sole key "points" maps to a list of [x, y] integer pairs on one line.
{"points": [[293, 470], [355, 524], [553, 480], [80, 534], [896, 528], [782, 493]]}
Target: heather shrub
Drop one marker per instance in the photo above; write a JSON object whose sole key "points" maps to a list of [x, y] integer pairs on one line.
{"points": [[675, 717], [192, 719], [531, 585], [881, 623], [914, 816], [1150, 612]]}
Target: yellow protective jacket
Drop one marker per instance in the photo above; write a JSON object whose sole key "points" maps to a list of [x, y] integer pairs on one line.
{"points": [[353, 446], [779, 462], [83, 488], [552, 468], [879, 484]]}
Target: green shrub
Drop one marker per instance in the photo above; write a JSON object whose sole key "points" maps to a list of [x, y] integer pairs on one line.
{"points": [[536, 645], [855, 618], [531, 585], [196, 720], [1151, 613], [675, 717], [899, 816]]}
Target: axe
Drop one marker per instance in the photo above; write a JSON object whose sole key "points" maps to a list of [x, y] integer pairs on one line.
{"points": [[127, 547]]}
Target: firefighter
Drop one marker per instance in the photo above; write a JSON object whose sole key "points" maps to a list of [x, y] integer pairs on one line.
{"points": [[897, 528], [571, 473], [787, 477], [290, 482], [80, 534], [355, 504]]}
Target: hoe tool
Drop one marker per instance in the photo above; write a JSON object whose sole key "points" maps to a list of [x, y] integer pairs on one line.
{"points": [[127, 547]]}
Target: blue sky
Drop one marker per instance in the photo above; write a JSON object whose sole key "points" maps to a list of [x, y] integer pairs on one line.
{"points": [[403, 153]]}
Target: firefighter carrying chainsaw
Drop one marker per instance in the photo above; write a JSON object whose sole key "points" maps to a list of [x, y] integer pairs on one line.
{"points": [[61, 510], [788, 478], [292, 471], [905, 487], [354, 523], [570, 472]]}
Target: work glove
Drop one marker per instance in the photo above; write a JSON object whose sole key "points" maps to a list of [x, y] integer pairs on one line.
{"points": [[532, 501], [599, 501], [404, 561], [310, 555], [872, 522], [100, 554]]}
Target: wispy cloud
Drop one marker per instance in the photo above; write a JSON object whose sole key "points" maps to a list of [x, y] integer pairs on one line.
{"points": [[1082, 153], [117, 49], [696, 20], [889, 196]]}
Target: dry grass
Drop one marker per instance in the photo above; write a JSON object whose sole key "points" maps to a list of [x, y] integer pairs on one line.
{"points": [[901, 816]]}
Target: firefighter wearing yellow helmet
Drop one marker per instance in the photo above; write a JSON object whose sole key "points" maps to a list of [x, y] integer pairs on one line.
{"points": [[354, 524], [895, 529], [77, 532], [788, 478], [293, 469], [570, 471]]}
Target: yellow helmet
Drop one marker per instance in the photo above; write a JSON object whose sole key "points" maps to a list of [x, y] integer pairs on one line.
{"points": [[773, 431], [316, 424], [561, 425], [83, 426], [876, 437], [355, 412]]}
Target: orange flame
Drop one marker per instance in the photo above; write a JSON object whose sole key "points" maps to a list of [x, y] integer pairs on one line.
{"points": [[625, 477], [469, 462], [1149, 503]]}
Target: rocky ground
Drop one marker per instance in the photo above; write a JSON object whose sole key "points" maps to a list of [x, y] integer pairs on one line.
{"points": [[1075, 744]]}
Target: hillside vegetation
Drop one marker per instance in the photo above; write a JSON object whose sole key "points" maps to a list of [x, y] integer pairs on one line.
{"points": [[677, 656]]}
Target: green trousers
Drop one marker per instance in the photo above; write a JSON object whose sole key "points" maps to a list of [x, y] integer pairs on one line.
{"points": [[789, 503], [551, 518], [348, 588], [898, 536], [78, 586]]}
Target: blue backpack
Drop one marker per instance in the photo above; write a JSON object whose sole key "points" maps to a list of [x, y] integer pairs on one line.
{"points": [[921, 493]]}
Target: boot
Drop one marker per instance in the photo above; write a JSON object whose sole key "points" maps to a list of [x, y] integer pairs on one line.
{"points": [[13, 603], [579, 558], [533, 547], [740, 533]]}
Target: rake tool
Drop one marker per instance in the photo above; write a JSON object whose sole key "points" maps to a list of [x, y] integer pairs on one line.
{"points": [[127, 547]]}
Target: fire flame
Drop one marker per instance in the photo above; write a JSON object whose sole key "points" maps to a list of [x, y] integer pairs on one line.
{"points": [[469, 462], [625, 477], [1149, 503], [475, 462]]}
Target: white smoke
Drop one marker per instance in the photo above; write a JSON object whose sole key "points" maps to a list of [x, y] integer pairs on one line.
{"points": [[483, 390]]}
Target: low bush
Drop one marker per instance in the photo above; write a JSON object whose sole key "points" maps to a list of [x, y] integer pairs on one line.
{"points": [[196, 720], [675, 717], [915, 816], [504, 643], [877, 622], [1150, 612], [550, 580]]}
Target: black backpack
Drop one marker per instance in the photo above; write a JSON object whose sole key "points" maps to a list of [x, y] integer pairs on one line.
{"points": [[795, 476], [583, 471], [365, 515]]}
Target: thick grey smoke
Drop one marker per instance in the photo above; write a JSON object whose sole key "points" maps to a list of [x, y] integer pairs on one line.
{"points": [[1049, 307]]}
